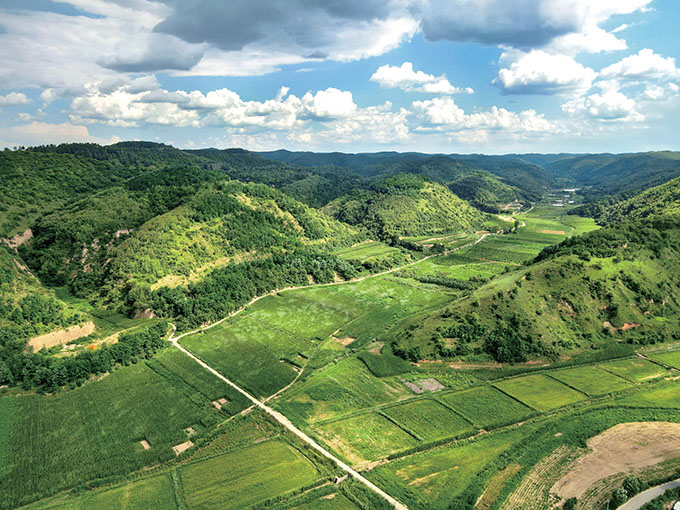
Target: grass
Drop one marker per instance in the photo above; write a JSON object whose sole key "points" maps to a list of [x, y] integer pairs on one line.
{"points": [[634, 369], [6, 419], [172, 363], [333, 501], [666, 394], [365, 438], [98, 433], [486, 407], [428, 419], [246, 477], [155, 492], [591, 380], [340, 388], [246, 352], [432, 479], [540, 392], [366, 251], [668, 358]]}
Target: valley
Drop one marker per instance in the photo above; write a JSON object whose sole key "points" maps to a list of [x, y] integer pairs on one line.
{"points": [[465, 367]]}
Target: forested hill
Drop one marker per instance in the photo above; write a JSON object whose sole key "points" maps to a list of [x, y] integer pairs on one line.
{"points": [[616, 283], [406, 205], [612, 174], [531, 180], [659, 200]]}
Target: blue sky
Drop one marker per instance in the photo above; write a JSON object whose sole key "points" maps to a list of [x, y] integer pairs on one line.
{"points": [[492, 76]]}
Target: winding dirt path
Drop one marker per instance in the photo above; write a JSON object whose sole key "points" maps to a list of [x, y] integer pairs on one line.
{"points": [[279, 417]]}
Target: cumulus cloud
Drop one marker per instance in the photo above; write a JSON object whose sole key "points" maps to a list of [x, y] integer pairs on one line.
{"points": [[405, 78], [14, 99], [539, 72], [38, 133], [444, 114], [609, 106], [644, 65]]}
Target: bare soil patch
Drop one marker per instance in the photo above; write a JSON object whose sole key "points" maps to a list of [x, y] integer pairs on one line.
{"points": [[147, 313], [558, 232], [145, 444], [626, 326], [431, 384], [219, 403], [623, 448], [19, 239], [182, 447], [344, 341], [61, 337]]}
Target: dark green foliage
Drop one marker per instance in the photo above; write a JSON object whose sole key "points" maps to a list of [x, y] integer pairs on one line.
{"points": [[406, 205], [227, 289], [48, 374], [570, 504], [384, 364]]}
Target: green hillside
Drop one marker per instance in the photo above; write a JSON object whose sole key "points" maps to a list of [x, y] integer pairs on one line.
{"points": [[485, 192], [660, 200], [406, 205], [616, 283]]}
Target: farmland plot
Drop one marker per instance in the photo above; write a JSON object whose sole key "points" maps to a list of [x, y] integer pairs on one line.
{"points": [[487, 407], [540, 392], [428, 419], [591, 380], [635, 369]]}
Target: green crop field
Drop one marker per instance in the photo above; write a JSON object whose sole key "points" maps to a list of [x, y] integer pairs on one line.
{"points": [[151, 493], [365, 437], [193, 375], [672, 359], [666, 394], [99, 433], [332, 501], [591, 380], [245, 477], [433, 478], [246, 352], [635, 369], [540, 392], [428, 419], [340, 388], [486, 407]]}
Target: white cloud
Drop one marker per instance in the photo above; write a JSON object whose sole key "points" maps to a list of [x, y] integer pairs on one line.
{"points": [[405, 78], [14, 99], [644, 65], [39, 133], [329, 104], [610, 105], [442, 113], [660, 93], [538, 72]]}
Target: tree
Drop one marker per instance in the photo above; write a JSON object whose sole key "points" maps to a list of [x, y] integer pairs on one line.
{"points": [[570, 504], [619, 497]]}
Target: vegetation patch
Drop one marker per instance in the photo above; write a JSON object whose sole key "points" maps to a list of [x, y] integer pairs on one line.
{"points": [[428, 420], [591, 380], [486, 407], [365, 438], [246, 477], [540, 392], [635, 369]]}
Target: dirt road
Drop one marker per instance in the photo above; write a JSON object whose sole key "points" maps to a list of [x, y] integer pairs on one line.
{"points": [[285, 422]]}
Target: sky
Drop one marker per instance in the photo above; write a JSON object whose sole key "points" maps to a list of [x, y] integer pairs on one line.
{"points": [[463, 76]]}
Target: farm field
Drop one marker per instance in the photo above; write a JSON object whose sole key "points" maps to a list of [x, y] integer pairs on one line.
{"points": [[486, 407], [428, 419], [100, 429], [540, 392], [634, 369], [591, 380], [432, 479], [671, 359], [156, 492], [247, 476], [364, 438]]}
